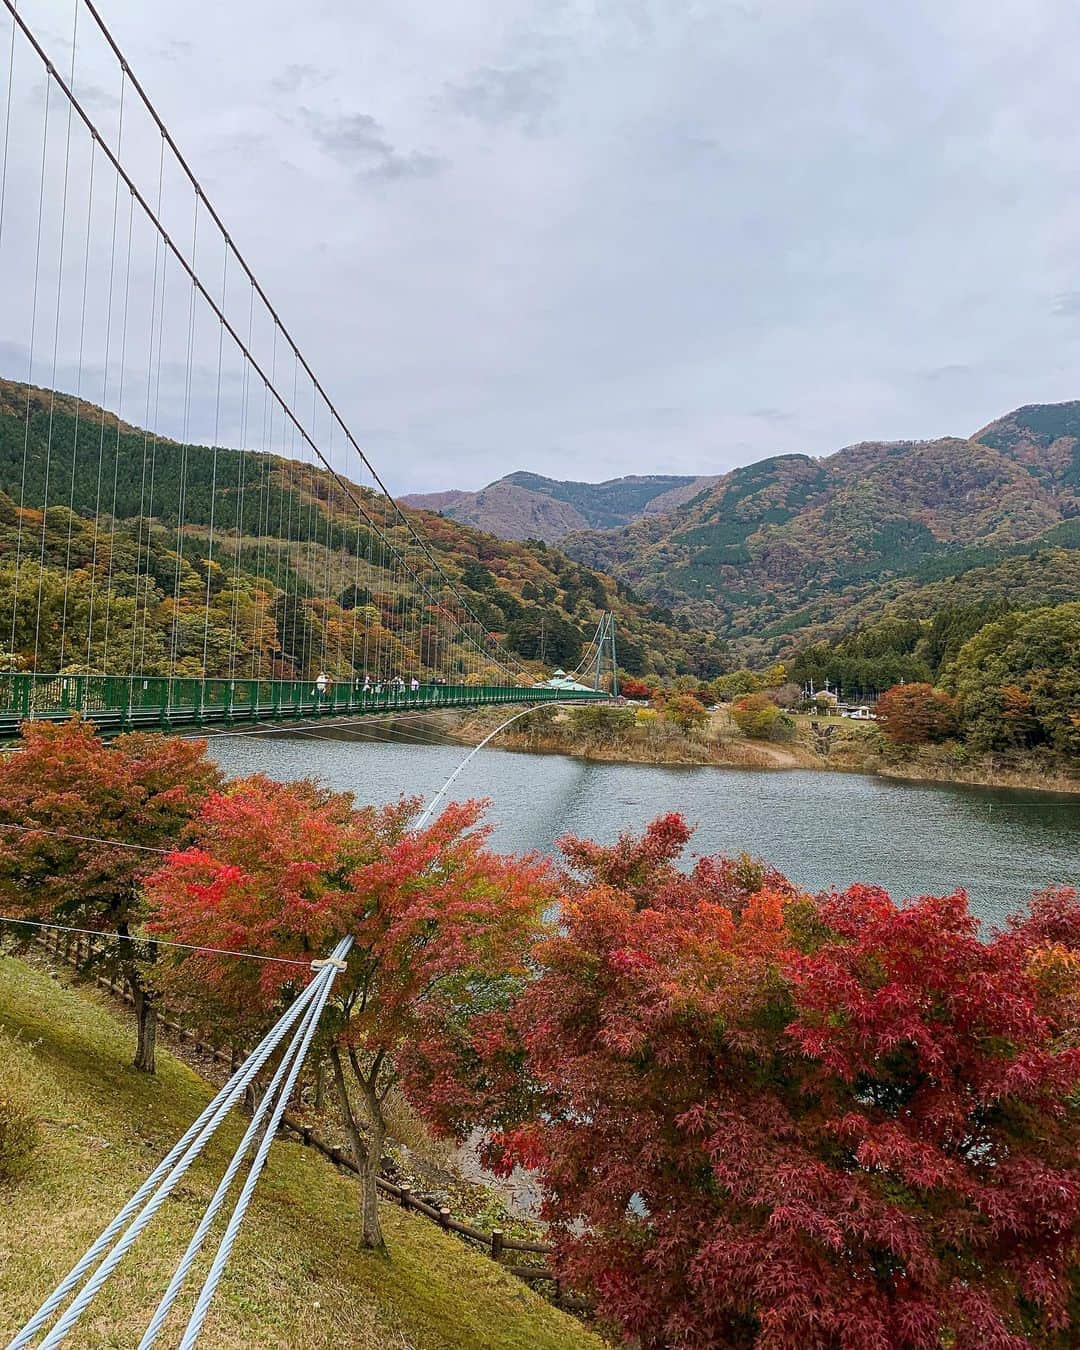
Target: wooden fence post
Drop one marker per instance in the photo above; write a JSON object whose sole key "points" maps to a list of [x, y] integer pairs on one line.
{"points": [[406, 1197], [444, 1216], [496, 1243]]}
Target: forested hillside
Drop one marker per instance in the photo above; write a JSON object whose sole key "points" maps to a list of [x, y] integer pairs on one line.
{"points": [[781, 547], [104, 579]]}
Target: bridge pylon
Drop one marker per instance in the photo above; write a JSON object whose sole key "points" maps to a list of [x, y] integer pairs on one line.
{"points": [[601, 655]]}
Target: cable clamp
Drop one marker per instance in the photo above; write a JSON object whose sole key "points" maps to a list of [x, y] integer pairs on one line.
{"points": [[335, 961]]}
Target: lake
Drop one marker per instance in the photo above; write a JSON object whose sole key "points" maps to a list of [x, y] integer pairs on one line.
{"points": [[820, 829]]}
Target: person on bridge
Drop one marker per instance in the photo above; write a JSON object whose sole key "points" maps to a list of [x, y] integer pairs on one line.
{"points": [[414, 685], [322, 683]]}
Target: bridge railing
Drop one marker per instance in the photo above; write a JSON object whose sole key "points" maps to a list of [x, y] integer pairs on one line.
{"points": [[159, 701]]}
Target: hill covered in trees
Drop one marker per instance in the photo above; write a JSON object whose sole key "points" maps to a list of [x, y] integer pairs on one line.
{"points": [[120, 572], [775, 552]]}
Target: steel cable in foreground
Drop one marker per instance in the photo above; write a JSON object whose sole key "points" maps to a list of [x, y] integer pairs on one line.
{"points": [[150, 1196]]}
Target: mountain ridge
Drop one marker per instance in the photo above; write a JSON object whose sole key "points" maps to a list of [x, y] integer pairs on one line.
{"points": [[793, 536], [795, 542], [524, 505]]}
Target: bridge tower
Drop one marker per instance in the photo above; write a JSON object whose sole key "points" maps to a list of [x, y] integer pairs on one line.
{"points": [[602, 656]]}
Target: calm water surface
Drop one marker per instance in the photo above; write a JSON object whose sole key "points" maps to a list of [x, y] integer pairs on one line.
{"points": [[821, 829]]}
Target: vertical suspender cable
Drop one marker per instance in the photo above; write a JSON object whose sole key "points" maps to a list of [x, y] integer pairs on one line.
{"points": [[153, 420], [78, 405], [105, 384], [181, 501], [30, 362], [213, 473], [241, 494], [116, 446], [7, 128], [56, 349], [145, 513]]}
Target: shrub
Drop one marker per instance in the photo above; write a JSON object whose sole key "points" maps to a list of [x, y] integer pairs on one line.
{"points": [[686, 711], [599, 723], [783, 728], [18, 1123], [755, 715]]}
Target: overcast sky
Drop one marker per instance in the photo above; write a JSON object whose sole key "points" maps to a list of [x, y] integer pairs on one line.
{"points": [[597, 237]]}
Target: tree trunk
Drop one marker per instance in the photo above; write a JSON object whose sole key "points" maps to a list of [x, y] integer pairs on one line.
{"points": [[146, 1021], [367, 1159], [372, 1165], [376, 1137], [320, 1085]]}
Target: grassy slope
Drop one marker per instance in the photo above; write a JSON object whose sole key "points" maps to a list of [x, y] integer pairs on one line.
{"points": [[297, 1277]]}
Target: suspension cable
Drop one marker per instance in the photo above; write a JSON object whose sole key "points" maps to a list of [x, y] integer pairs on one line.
{"points": [[167, 1175], [507, 662], [56, 347], [426, 814], [231, 245], [149, 938]]}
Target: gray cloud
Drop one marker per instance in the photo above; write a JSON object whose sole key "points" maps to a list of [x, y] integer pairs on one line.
{"points": [[178, 49], [955, 371], [359, 141], [514, 95], [97, 98], [294, 77], [1067, 304]]}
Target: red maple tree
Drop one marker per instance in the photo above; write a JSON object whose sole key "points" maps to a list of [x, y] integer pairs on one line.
{"points": [[913, 714], [441, 927], [764, 1119], [630, 687], [945, 1122], [65, 797]]}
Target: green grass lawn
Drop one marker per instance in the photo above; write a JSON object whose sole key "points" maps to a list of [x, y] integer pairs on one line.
{"points": [[297, 1276]]}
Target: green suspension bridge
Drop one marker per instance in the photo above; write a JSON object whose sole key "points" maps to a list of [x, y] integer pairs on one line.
{"points": [[190, 534]]}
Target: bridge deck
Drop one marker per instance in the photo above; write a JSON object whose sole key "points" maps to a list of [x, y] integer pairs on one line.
{"points": [[156, 702]]}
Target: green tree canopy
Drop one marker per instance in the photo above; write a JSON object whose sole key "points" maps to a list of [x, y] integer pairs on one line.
{"points": [[1018, 680]]}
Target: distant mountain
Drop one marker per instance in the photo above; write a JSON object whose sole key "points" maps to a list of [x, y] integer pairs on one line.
{"points": [[529, 506], [792, 543]]}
